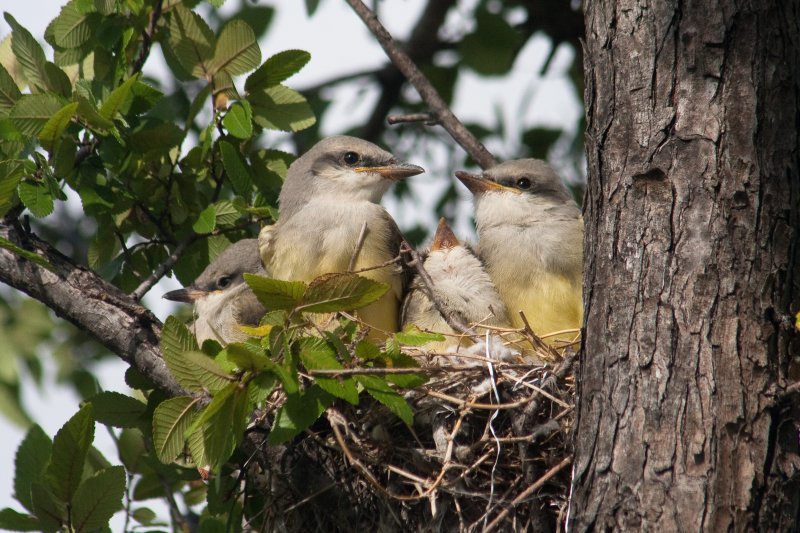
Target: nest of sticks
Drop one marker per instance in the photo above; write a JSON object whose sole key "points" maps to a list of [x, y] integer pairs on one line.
{"points": [[489, 451]]}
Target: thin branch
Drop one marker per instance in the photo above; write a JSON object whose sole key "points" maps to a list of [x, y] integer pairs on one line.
{"points": [[426, 90], [427, 118], [147, 38], [359, 244], [162, 269]]}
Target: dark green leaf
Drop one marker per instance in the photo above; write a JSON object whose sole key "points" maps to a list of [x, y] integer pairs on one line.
{"points": [[235, 167], [380, 390], [32, 111], [11, 520], [237, 51], [158, 139], [56, 125], [98, 498], [72, 28], [88, 111], [32, 457], [281, 108], [192, 41], [316, 354], [170, 420], [277, 69], [206, 221], [539, 141], [238, 120], [224, 430], [115, 409], [176, 340], [491, 49], [70, 446], [298, 413], [340, 292], [28, 53], [119, 99], [36, 197], [275, 293], [11, 170], [9, 92], [50, 512]]}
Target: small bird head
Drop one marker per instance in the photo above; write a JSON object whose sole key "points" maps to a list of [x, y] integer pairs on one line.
{"points": [[518, 188], [341, 168], [223, 275], [444, 238]]}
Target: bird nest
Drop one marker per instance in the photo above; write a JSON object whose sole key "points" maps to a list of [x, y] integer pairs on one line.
{"points": [[489, 451]]}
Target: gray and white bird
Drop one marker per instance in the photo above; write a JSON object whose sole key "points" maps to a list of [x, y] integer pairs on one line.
{"points": [[222, 300], [330, 193], [460, 283], [531, 240]]}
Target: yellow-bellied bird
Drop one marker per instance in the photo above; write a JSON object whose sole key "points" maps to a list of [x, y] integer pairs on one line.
{"points": [[330, 193], [531, 240], [460, 283], [221, 298]]}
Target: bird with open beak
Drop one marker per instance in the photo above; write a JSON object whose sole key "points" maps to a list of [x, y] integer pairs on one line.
{"points": [[460, 284], [331, 192], [222, 300], [530, 234]]}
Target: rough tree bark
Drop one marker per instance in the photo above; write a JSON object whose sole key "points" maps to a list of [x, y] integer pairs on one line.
{"points": [[693, 209]]}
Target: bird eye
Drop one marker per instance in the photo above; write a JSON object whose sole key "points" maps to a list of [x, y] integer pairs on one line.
{"points": [[223, 282], [524, 183], [351, 158]]}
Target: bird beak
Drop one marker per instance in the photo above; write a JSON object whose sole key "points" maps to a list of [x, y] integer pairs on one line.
{"points": [[185, 295], [479, 185], [394, 171], [444, 238]]}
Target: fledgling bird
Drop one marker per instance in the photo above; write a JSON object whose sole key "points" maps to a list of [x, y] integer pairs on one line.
{"points": [[221, 298], [460, 283], [531, 240], [330, 193]]}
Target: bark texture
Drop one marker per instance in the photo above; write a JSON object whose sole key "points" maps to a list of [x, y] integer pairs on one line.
{"points": [[692, 207]]}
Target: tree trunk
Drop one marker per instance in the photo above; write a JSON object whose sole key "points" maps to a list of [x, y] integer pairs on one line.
{"points": [[692, 210]]}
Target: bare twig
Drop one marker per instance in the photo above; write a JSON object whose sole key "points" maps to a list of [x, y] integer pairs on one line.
{"points": [[161, 269], [359, 244], [527, 492], [427, 118], [426, 90], [147, 38]]}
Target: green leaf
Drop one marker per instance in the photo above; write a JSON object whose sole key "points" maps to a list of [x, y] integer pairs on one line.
{"points": [[51, 512], [56, 125], [237, 51], [275, 293], [11, 170], [119, 99], [235, 167], [206, 371], [311, 6], [118, 410], [9, 92], [244, 356], [491, 48], [27, 254], [340, 292], [281, 108], [226, 213], [380, 390], [158, 139], [11, 520], [277, 69], [88, 111], [298, 413], [176, 340], [206, 221], [36, 197], [171, 419], [28, 53], [70, 446], [32, 457], [32, 111], [98, 498], [316, 354], [413, 336], [192, 41], [72, 28], [224, 430], [238, 120]]}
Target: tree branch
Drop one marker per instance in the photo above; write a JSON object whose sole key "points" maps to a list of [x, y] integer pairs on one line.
{"points": [[147, 38], [426, 90], [119, 323]]}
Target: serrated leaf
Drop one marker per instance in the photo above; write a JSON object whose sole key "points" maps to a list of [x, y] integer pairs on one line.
{"points": [[118, 410], [30, 462], [27, 254], [340, 292], [224, 430], [238, 120], [235, 167], [275, 293], [192, 41], [119, 99], [11, 171], [11, 520], [70, 447], [237, 51], [206, 221], [207, 372], [32, 111], [9, 92], [72, 28], [176, 340], [380, 390], [158, 139], [36, 197], [170, 420], [56, 125], [298, 413], [28, 53], [90, 114], [277, 69], [226, 213], [98, 498], [413, 336], [281, 108], [48, 509], [316, 354]]}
